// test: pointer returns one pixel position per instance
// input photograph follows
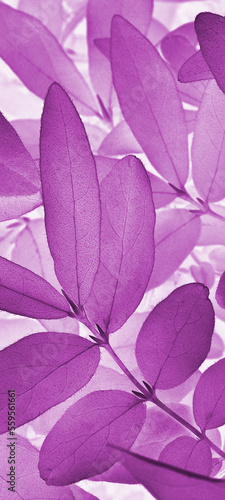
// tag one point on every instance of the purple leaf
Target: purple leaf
(149, 101)
(28, 131)
(50, 13)
(210, 29)
(36, 57)
(204, 273)
(209, 137)
(80, 494)
(76, 448)
(187, 31)
(162, 192)
(190, 117)
(103, 44)
(176, 233)
(29, 485)
(156, 31)
(127, 245)
(25, 293)
(188, 453)
(212, 231)
(217, 347)
(209, 397)
(70, 195)
(175, 338)
(176, 394)
(194, 69)
(167, 482)
(104, 166)
(120, 141)
(220, 292)
(46, 368)
(99, 16)
(79, 11)
(176, 49)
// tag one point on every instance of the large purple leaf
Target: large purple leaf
(176, 336)
(99, 16)
(46, 368)
(188, 453)
(149, 101)
(29, 485)
(167, 482)
(210, 29)
(70, 195)
(50, 13)
(76, 448)
(127, 245)
(209, 137)
(194, 69)
(24, 292)
(176, 233)
(34, 54)
(209, 397)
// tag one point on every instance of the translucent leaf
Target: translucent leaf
(220, 292)
(204, 273)
(29, 485)
(50, 13)
(210, 29)
(176, 394)
(28, 131)
(209, 137)
(70, 195)
(176, 337)
(104, 166)
(156, 31)
(162, 192)
(217, 347)
(209, 397)
(176, 233)
(80, 494)
(36, 57)
(194, 69)
(25, 293)
(99, 16)
(120, 141)
(171, 483)
(176, 49)
(188, 453)
(127, 245)
(149, 101)
(212, 231)
(76, 448)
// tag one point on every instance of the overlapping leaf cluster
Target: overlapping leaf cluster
(112, 231)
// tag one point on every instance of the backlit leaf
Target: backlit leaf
(188, 453)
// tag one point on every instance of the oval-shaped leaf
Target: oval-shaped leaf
(208, 147)
(46, 368)
(127, 245)
(175, 338)
(210, 29)
(24, 292)
(195, 69)
(34, 54)
(76, 448)
(70, 195)
(209, 397)
(149, 101)
(188, 453)
(171, 483)
(99, 16)
(176, 233)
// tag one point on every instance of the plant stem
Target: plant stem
(160, 404)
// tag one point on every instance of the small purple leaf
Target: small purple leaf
(176, 233)
(149, 101)
(209, 397)
(46, 369)
(168, 482)
(210, 29)
(220, 292)
(195, 69)
(34, 54)
(24, 292)
(76, 448)
(127, 245)
(209, 137)
(176, 336)
(120, 141)
(188, 453)
(70, 195)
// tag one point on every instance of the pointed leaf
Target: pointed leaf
(99, 16)
(46, 369)
(25, 293)
(210, 29)
(209, 397)
(70, 195)
(209, 137)
(176, 233)
(120, 141)
(36, 57)
(149, 101)
(195, 69)
(29, 131)
(175, 338)
(80, 494)
(127, 245)
(76, 448)
(171, 483)
(29, 485)
(188, 453)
